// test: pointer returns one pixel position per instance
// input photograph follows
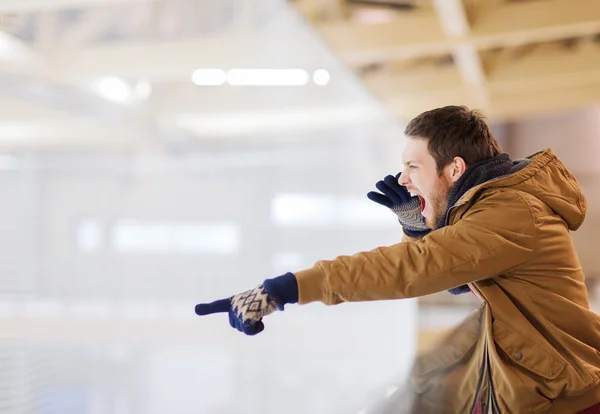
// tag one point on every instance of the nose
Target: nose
(404, 178)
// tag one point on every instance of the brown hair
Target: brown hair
(454, 131)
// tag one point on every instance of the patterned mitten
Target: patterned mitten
(398, 199)
(247, 309)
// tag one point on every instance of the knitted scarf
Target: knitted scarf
(478, 173)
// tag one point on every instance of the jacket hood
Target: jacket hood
(545, 177)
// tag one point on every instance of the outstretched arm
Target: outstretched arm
(485, 243)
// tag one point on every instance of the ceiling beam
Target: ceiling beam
(545, 68)
(419, 33)
(415, 34)
(504, 107)
(453, 18)
(418, 80)
(539, 81)
(515, 23)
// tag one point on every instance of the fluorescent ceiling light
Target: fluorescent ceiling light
(321, 77)
(257, 77)
(267, 77)
(113, 89)
(209, 77)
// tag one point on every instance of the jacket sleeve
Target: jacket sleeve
(494, 236)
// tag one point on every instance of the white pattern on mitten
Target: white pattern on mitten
(409, 215)
(250, 306)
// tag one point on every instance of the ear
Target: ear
(457, 168)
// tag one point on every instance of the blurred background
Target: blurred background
(159, 153)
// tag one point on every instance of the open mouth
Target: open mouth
(422, 200)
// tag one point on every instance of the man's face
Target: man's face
(421, 178)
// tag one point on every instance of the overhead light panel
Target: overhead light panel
(113, 89)
(209, 77)
(267, 77)
(258, 77)
(321, 77)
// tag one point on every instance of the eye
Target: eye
(412, 167)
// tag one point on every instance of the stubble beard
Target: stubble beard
(439, 201)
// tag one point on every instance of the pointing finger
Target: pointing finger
(218, 306)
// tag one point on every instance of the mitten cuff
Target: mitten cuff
(416, 233)
(282, 289)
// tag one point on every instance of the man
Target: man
(474, 221)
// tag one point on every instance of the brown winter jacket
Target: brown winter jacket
(534, 342)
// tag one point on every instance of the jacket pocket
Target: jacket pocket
(534, 365)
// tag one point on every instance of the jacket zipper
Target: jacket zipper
(485, 372)
(480, 382)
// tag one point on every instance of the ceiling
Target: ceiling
(385, 59)
(58, 58)
(512, 59)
